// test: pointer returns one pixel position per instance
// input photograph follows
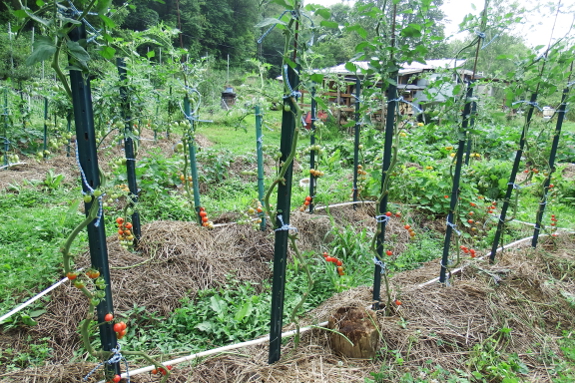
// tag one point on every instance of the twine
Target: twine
(382, 218)
(419, 111)
(117, 357)
(284, 226)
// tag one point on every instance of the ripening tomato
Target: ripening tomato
(108, 317)
(203, 214)
(389, 252)
(117, 378)
(205, 219)
(128, 225)
(117, 327)
(119, 220)
(72, 275)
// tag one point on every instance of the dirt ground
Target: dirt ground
(524, 292)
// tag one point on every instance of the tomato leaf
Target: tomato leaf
(44, 48)
(76, 51)
(102, 6)
(107, 52)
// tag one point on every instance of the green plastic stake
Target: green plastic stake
(129, 149)
(560, 117)
(88, 161)
(260, 156)
(69, 123)
(356, 141)
(6, 142)
(193, 162)
(511, 183)
(281, 224)
(471, 125)
(312, 178)
(387, 152)
(455, 186)
(45, 126)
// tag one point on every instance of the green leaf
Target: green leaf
(205, 326)
(72, 67)
(351, 67)
(40, 20)
(108, 21)
(329, 24)
(323, 12)
(218, 305)
(76, 51)
(20, 13)
(151, 54)
(360, 31)
(40, 3)
(244, 311)
(102, 6)
(317, 78)
(44, 48)
(27, 320)
(457, 89)
(269, 21)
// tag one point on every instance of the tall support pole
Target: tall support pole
(45, 126)
(88, 161)
(5, 115)
(511, 183)
(455, 186)
(282, 222)
(560, 117)
(471, 125)
(260, 157)
(356, 142)
(193, 161)
(387, 153)
(69, 125)
(129, 148)
(312, 178)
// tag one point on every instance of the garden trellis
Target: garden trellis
(280, 217)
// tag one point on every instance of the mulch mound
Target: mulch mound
(515, 304)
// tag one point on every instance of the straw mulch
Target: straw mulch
(448, 325)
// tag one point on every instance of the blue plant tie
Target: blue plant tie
(259, 41)
(515, 186)
(379, 263)
(382, 218)
(90, 189)
(479, 34)
(284, 226)
(492, 40)
(293, 93)
(453, 226)
(419, 111)
(535, 104)
(115, 358)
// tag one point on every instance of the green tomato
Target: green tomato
(87, 198)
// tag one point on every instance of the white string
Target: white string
(535, 104)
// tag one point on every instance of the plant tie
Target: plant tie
(73, 11)
(532, 103)
(284, 226)
(115, 358)
(381, 218)
(419, 111)
(453, 226)
(379, 263)
(480, 34)
(260, 139)
(515, 186)
(293, 93)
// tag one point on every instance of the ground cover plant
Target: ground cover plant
(204, 268)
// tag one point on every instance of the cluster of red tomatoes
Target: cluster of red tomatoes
(306, 203)
(553, 224)
(466, 250)
(336, 262)
(205, 220)
(125, 235)
(120, 328)
(161, 370)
